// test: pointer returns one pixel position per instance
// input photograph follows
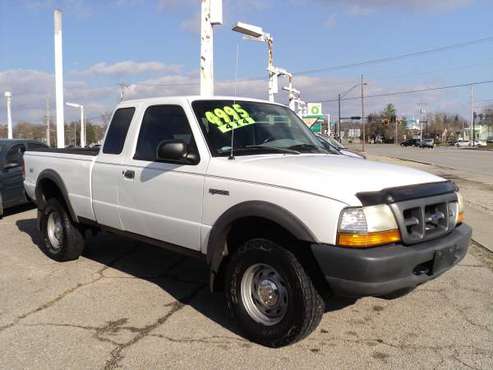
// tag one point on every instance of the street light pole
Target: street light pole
(256, 33)
(8, 98)
(60, 121)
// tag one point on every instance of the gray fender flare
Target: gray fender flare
(268, 211)
(55, 178)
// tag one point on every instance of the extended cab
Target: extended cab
(246, 186)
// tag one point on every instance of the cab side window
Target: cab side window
(117, 133)
(163, 123)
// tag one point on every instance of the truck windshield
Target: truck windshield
(258, 128)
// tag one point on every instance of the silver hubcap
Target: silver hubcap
(264, 294)
(55, 230)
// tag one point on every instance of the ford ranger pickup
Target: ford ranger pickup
(244, 185)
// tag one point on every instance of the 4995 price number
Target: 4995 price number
(229, 118)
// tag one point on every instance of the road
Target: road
(128, 305)
(473, 164)
(471, 170)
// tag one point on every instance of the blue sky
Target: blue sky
(153, 45)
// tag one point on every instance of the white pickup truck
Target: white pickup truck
(246, 186)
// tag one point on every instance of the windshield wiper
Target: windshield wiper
(267, 148)
(299, 147)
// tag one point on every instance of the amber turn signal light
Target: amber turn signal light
(368, 240)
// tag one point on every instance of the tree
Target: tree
(390, 112)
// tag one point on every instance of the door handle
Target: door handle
(128, 174)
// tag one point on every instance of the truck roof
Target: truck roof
(190, 98)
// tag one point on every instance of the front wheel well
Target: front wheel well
(248, 228)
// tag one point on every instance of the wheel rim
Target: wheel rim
(264, 294)
(55, 230)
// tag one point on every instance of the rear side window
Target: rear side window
(118, 131)
(163, 123)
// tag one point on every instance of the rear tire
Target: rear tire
(272, 298)
(62, 241)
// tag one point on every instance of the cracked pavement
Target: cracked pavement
(128, 305)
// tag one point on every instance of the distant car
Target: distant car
(462, 143)
(482, 143)
(467, 143)
(427, 143)
(410, 142)
(335, 147)
(489, 140)
(11, 178)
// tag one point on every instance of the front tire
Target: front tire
(270, 294)
(62, 241)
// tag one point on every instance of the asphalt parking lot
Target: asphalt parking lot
(128, 305)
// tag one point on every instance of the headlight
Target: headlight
(365, 227)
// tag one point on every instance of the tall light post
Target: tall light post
(256, 33)
(60, 120)
(211, 15)
(82, 123)
(8, 98)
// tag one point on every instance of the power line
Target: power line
(397, 57)
(407, 92)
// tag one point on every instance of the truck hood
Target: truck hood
(333, 176)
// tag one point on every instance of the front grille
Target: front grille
(426, 218)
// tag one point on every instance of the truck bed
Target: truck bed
(76, 166)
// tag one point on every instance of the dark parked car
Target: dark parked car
(410, 142)
(11, 179)
(427, 143)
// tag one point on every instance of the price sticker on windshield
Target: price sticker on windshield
(229, 117)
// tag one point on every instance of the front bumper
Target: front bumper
(387, 269)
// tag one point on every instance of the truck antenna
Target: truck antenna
(232, 153)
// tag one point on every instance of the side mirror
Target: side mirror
(172, 151)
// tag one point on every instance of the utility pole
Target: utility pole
(211, 15)
(422, 112)
(396, 140)
(48, 136)
(339, 117)
(60, 120)
(472, 117)
(363, 120)
(8, 98)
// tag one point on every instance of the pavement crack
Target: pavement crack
(215, 339)
(176, 306)
(46, 305)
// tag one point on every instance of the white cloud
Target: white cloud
(365, 7)
(129, 67)
(331, 21)
(30, 89)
